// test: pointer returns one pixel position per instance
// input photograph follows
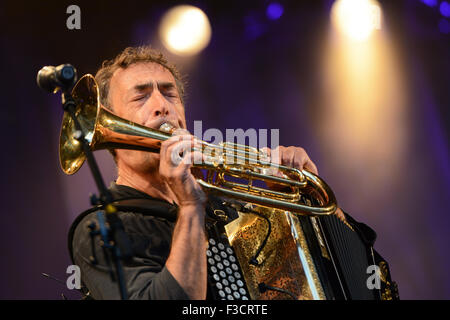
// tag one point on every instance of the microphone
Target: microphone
(51, 78)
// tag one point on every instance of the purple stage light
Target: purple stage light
(274, 11)
(445, 9)
(444, 26)
(430, 3)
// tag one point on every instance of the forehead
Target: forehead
(142, 72)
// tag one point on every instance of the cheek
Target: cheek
(182, 117)
(141, 115)
(137, 114)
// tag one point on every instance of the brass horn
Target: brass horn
(226, 161)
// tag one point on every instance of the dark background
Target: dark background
(255, 73)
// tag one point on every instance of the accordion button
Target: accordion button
(229, 250)
(223, 254)
(215, 250)
(217, 257)
(220, 266)
(228, 270)
(244, 298)
(219, 286)
(222, 294)
(213, 269)
(237, 275)
(230, 297)
(216, 277)
(221, 246)
(236, 295)
(231, 279)
(242, 291)
(211, 261)
(240, 283)
(235, 267)
(222, 274)
(212, 241)
(232, 258)
(227, 290)
(208, 253)
(234, 287)
(225, 282)
(226, 263)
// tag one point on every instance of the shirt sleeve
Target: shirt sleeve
(146, 276)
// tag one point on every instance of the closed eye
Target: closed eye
(140, 97)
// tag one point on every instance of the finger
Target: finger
(300, 158)
(275, 155)
(175, 139)
(288, 157)
(310, 166)
(169, 143)
(165, 145)
(180, 131)
(191, 158)
(176, 151)
(265, 153)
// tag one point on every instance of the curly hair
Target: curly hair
(128, 57)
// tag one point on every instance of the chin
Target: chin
(140, 161)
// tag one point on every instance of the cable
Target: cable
(263, 288)
(254, 259)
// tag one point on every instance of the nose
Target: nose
(161, 111)
(160, 107)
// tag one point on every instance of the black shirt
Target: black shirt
(146, 276)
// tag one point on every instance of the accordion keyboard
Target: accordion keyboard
(225, 275)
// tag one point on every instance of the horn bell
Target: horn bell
(86, 96)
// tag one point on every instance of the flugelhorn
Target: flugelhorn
(227, 162)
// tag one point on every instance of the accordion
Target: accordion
(259, 253)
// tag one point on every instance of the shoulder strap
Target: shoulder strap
(144, 206)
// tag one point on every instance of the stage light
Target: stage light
(356, 19)
(430, 3)
(185, 30)
(274, 11)
(363, 107)
(444, 26)
(445, 9)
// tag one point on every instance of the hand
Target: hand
(294, 157)
(176, 161)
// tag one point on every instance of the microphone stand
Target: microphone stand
(115, 242)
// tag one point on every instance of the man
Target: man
(170, 260)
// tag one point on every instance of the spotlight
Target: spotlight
(430, 3)
(356, 18)
(445, 9)
(185, 30)
(274, 11)
(444, 26)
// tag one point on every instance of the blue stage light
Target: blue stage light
(430, 3)
(444, 26)
(274, 11)
(445, 9)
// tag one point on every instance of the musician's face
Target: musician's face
(145, 93)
